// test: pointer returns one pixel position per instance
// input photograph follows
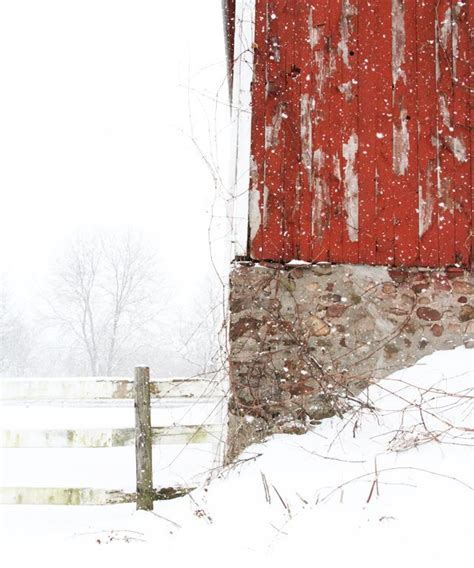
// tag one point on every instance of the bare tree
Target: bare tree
(104, 298)
(200, 333)
(16, 342)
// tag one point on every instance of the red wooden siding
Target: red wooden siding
(362, 132)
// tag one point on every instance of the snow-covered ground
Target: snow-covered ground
(390, 484)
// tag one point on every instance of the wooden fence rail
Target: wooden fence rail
(143, 436)
(104, 389)
(107, 437)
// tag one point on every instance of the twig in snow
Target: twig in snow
(287, 507)
(268, 498)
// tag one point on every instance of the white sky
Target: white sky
(93, 106)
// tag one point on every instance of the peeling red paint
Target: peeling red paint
(362, 132)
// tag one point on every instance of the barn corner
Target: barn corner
(353, 228)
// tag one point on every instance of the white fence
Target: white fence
(67, 396)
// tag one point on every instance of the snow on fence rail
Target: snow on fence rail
(143, 436)
(104, 388)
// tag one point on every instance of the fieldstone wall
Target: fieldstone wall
(305, 338)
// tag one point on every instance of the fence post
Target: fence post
(143, 439)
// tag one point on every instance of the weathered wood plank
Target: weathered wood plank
(238, 205)
(290, 39)
(257, 143)
(104, 388)
(275, 114)
(369, 114)
(62, 496)
(461, 131)
(108, 437)
(143, 440)
(383, 174)
(304, 20)
(322, 69)
(348, 62)
(229, 31)
(445, 141)
(405, 131)
(337, 94)
(470, 84)
(80, 496)
(427, 135)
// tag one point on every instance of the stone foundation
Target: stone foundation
(306, 338)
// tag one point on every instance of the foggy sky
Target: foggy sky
(94, 132)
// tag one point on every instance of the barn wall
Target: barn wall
(361, 132)
(361, 165)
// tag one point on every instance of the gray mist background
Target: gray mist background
(100, 100)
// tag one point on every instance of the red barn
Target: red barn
(353, 157)
(361, 129)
